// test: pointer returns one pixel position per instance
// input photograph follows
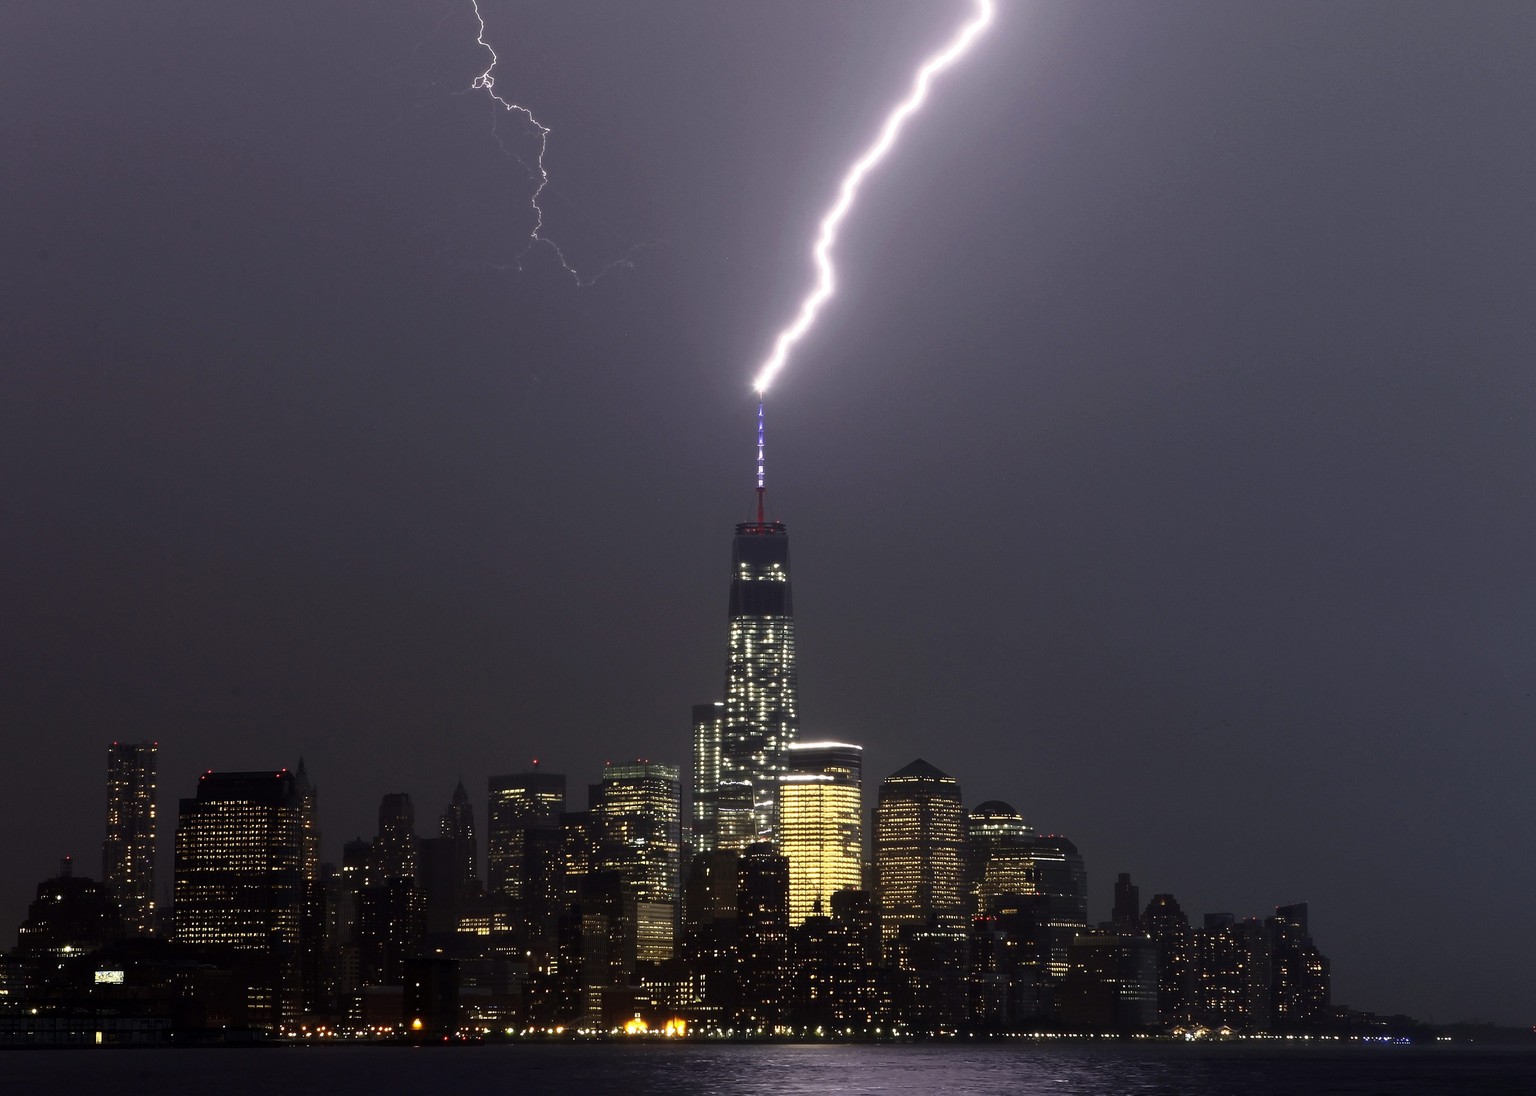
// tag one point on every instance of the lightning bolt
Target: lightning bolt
(848, 191)
(487, 82)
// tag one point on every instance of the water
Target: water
(736, 1070)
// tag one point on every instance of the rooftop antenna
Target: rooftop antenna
(761, 483)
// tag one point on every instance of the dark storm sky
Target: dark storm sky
(1164, 465)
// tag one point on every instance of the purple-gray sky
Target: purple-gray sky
(1164, 465)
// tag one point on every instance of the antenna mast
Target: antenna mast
(761, 482)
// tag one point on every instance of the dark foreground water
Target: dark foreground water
(731, 1070)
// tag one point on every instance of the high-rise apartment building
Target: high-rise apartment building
(1300, 989)
(1168, 926)
(821, 824)
(128, 854)
(919, 849)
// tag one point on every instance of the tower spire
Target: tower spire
(761, 483)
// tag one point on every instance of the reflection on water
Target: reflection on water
(728, 1070)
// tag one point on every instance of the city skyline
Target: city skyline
(1157, 470)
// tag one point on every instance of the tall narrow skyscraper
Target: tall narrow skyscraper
(128, 854)
(457, 823)
(519, 804)
(708, 719)
(761, 715)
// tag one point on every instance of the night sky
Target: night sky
(1164, 465)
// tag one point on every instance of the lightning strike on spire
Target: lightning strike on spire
(826, 238)
(536, 237)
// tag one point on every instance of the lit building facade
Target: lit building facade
(128, 854)
(999, 858)
(240, 880)
(640, 823)
(919, 849)
(761, 713)
(519, 803)
(708, 722)
(821, 824)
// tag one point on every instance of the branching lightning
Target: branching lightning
(848, 191)
(487, 82)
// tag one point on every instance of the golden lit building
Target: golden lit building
(821, 824)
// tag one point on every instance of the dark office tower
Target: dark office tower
(1111, 984)
(919, 850)
(762, 919)
(709, 934)
(240, 880)
(458, 825)
(1126, 916)
(999, 856)
(1300, 989)
(708, 724)
(1062, 879)
(128, 854)
(1010, 983)
(69, 915)
(309, 812)
(394, 850)
(1168, 927)
(391, 923)
(518, 803)
(761, 706)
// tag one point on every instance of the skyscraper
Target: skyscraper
(708, 720)
(639, 826)
(240, 879)
(519, 803)
(457, 823)
(821, 824)
(999, 856)
(1063, 880)
(761, 715)
(919, 851)
(394, 850)
(128, 854)
(638, 812)
(309, 817)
